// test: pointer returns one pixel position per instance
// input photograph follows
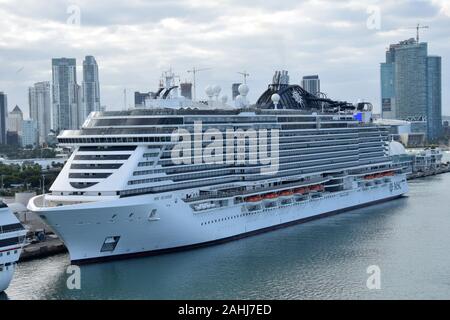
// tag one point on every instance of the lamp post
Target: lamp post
(43, 184)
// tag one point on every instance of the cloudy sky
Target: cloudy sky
(134, 41)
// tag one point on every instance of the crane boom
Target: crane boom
(194, 71)
(245, 74)
(418, 27)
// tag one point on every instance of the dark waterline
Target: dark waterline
(408, 239)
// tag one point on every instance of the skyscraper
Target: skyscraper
(90, 87)
(186, 90)
(40, 108)
(388, 106)
(434, 98)
(3, 116)
(410, 85)
(14, 121)
(29, 133)
(139, 98)
(311, 84)
(14, 126)
(65, 94)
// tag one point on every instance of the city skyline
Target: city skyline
(227, 38)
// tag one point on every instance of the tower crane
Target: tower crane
(245, 75)
(418, 27)
(194, 72)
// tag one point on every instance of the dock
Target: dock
(427, 173)
(47, 248)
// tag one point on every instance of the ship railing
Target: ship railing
(225, 194)
(41, 202)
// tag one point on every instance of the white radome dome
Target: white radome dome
(224, 99)
(209, 90)
(243, 89)
(276, 98)
(238, 101)
(396, 149)
(217, 90)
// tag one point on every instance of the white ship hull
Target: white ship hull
(85, 228)
(12, 238)
(6, 276)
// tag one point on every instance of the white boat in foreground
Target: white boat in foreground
(12, 239)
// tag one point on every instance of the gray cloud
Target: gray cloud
(134, 41)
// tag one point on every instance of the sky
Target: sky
(134, 41)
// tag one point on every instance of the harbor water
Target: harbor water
(407, 239)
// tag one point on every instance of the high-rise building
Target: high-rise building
(13, 138)
(39, 101)
(139, 98)
(387, 91)
(434, 98)
(235, 90)
(3, 116)
(411, 85)
(411, 80)
(90, 87)
(186, 90)
(66, 94)
(311, 84)
(29, 133)
(14, 121)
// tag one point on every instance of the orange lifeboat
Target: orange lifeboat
(299, 190)
(271, 196)
(286, 193)
(316, 188)
(253, 199)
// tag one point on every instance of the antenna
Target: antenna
(124, 99)
(194, 71)
(245, 74)
(418, 27)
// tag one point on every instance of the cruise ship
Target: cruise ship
(12, 239)
(179, 174)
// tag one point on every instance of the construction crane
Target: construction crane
(418, 27)
(245, 74)
(194, 71)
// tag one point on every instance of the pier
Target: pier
(431, 172)
(39, 250)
